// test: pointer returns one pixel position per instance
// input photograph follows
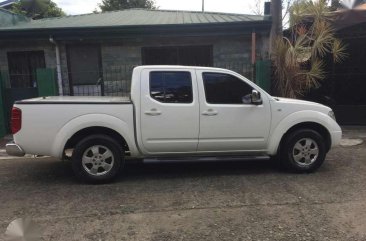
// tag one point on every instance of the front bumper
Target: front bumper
(336, 137)
(13, 149)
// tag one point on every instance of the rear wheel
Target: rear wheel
(97, 159)
(303, 151)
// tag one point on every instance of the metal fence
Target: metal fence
(110, 81)
(116, 80)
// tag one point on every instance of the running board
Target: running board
(203, 159)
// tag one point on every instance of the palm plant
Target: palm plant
(299, 58)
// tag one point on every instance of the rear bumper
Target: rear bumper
(13, 149)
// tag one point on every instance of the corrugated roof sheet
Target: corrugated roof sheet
(135, 17)
(7, 2)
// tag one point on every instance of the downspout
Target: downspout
(253, 59)
(254, 40)
(58, 66)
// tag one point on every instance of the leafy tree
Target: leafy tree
(299, 58)
(37, 9)
(110, 5)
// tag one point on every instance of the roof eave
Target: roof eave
(139, 31)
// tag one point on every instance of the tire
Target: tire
(303, 151)
(97, 159)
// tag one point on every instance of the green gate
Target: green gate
(263, 74)
(47, 82)
(46, 86)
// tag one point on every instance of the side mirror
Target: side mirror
(256, 98)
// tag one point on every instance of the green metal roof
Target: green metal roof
(135, 17)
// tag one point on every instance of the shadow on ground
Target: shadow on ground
(54, 171)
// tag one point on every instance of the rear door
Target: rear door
(169, 111)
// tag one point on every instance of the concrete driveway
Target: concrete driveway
(251, 200)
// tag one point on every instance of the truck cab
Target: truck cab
(185, 110)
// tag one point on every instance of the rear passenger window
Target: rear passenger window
(171, 87)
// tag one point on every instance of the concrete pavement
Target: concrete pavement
(251, 200)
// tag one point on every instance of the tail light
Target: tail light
(16, 120)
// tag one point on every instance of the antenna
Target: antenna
(203, 5)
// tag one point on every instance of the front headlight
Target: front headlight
(332, 115)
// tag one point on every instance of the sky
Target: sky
(230, 6)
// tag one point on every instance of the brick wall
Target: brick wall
(225, 49)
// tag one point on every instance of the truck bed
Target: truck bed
(51, 121)
(77, 100)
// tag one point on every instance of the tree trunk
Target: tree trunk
(276, 13)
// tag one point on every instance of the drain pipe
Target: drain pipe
(58, 66)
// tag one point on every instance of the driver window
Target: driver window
(225, 89)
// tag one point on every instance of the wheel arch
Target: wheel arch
(93, 124)
(312, 126)
(304, 120)
(94, 130)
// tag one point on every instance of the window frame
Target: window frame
(30, 73)
(172, 71)
(229, 74)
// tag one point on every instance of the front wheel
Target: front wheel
(303, 151)
(97, 159)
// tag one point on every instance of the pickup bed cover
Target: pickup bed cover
(77, 100)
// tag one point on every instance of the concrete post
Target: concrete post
(276, 30)
(2, 108)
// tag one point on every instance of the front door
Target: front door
(169, 111)
(228, 120)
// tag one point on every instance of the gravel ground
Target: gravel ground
(251, 200)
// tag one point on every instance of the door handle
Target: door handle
(210, 112)
(153, 112)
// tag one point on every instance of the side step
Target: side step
(203, 159)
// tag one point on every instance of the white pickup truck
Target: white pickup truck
(174, 111)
